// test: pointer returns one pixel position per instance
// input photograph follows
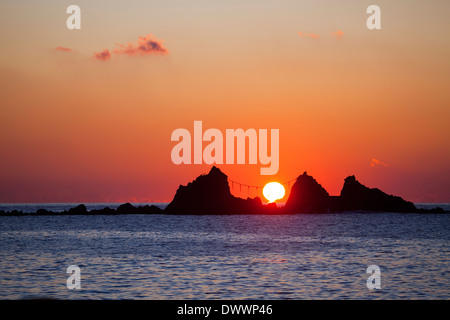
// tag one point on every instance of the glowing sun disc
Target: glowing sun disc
(273, 191)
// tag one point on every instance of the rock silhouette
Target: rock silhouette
(210, 194)
(80, 209)
(307, 196)
(355, 197)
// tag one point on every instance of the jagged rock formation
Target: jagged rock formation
(210, 194)
(307, 196)
(355, 197)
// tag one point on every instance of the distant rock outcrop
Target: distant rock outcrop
(210, 194)
(307, 196)
(357, 197)
(128, 208)
(80, 209)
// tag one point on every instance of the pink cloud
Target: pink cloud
(103, 56)
(308, 35)
(147, 45)
(374, 162)
(338, 34)
(63, 49)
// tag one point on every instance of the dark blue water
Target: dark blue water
(226, 257)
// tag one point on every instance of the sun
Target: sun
(273, 191)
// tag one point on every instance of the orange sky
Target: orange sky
(347, 100)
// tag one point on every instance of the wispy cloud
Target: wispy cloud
(147, 45)
(375, 162)
(308, 35)
(338, 34)
(103, 56)
(63, 49)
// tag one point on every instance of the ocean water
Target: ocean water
(307, 256)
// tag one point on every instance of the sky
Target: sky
(87, 115)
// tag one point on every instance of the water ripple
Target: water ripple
(225, 257)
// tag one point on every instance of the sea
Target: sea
(211, 257)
